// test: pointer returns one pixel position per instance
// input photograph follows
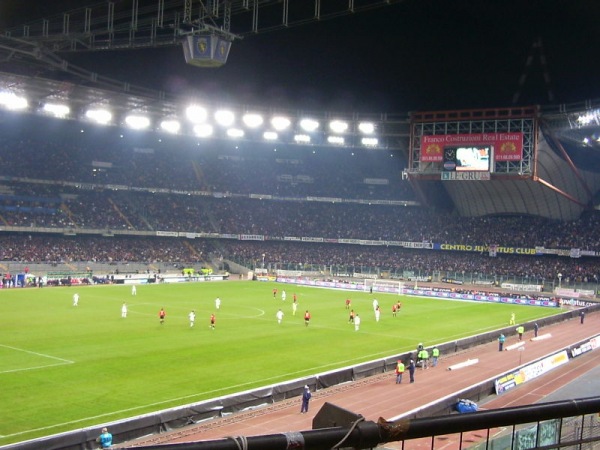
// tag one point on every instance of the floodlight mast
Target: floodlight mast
(209, 14)
(212, 30)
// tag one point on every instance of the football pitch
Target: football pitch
(66, 367)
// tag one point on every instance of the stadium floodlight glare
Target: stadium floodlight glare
(280, 123)
(203, 130)
(196, 114)
(137, 122)
(302, 138)
(101, 116)
(270, 135)
(12, 101)
(252, 120)
(170, 126)
(338, 140)
(369, 141)
(338, 126)
(309, 125)
(589, 117)
(366, 127)
(224, 117)
(56, 109)
(235, 132)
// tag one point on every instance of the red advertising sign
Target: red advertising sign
(507, 146)
(431, 151)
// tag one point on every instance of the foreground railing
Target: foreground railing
(562, 424)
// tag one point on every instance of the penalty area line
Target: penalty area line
(37, 367)
(43, 355)
(61, 361)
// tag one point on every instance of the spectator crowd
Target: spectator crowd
(68, 181)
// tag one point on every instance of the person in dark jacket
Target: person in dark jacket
(306, 395)
(411, 370)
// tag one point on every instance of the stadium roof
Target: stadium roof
(38, 60)
(359, 55)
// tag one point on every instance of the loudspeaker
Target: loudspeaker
(206, 50)
(331, 415)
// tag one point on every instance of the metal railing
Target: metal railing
(571, 424)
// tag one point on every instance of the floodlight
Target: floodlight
(224, 117)
(235, 133)
(303, 138)
(588, 117)
(339, 140)
(270, 135)
(196, 114)
(203, 130)
(280, 123)
(101, 116)
(366, 127)
(370, 142)
(338, 126)
(253, 120)
(137, 122)
(57, 109)
(309, 125)
(170, 125)
(12, 101)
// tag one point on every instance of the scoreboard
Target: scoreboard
(470, 159)
(480, 142)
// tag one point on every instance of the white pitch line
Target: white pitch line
(261, 312)
(36, 367)
(67, 361)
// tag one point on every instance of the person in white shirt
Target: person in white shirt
(356, 322)
(192, 317)
(279, 316)
(124, 310)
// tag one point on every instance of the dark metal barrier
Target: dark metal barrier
(367, 434)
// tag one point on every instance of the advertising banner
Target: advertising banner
(485, 249)
(507, 146)
(530, 371)
(466, 176)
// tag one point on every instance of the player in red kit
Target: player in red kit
(306, 317)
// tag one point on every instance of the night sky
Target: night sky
(414, 55)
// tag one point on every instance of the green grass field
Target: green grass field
(64, 367)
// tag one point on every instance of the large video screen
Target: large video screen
(472, 158)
